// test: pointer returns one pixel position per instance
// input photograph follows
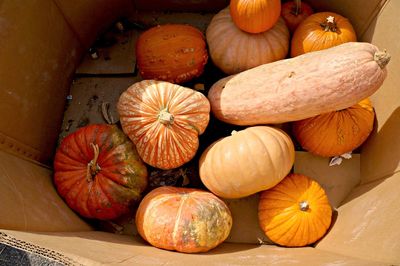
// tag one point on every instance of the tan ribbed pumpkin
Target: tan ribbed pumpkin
(233, 50)
(164, 120)
(337, 132)
(248, 161)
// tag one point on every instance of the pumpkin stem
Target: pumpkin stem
(296, 8)
(330, 25)
(165, 117)
(92, 167)
(304, 206)
(382, 58)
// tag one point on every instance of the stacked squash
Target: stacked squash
(101, 170)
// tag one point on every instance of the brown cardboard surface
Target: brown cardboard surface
(381, 154)
(90, 18)
(360, 13)
(29, 201)
(120, 58)
(38, 54)
(95, 248)
(368, 224)
(181, 5)
(88, 95)
(245, 227)
(337, 180)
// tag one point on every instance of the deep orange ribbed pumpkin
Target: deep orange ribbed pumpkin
(173, 52)
(183, 219)
(98, 172)
(335, 133)
(255, 16)
(321, 31)
(294, 213)
(164, 120)
(294, 12)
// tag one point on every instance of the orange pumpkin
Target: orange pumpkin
(164, 121)
(294, 12)
(173, 52)
(255, 16)
(294, 213)
(338, 132)
(321, 31)
(183, 219)
(249, 161)
(227, 43)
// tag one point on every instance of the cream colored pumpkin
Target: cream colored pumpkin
(233, 50)
(248, 161)
(301, 87)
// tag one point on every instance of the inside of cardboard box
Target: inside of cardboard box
(356, 192)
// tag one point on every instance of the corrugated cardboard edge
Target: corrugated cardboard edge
(35, 249)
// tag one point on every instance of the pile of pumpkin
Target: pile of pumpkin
(101, 171)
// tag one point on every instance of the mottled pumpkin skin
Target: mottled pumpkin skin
(255, 16)
(167, 142)
(183, 219)
(249, 161)
(293, 19)
(226, 43)
(310, 36)
(338, 132)
(280, 215)
(119, 181)
(173, 52)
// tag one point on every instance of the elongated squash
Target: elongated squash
(301, 87)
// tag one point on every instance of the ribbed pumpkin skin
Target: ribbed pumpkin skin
(183, 219)
(292, 19)
(173, 52)
(163, 144)
(310, 36)
(233, 50)
(255, 16)
(119, 181)
(338, 132)
(300, 87)
(283, 221)
(249, 161)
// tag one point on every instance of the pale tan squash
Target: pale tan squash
(301, 87)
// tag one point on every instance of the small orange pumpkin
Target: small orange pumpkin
(173, 52)
(294, 213)
(294, 12)
(255, 16)
(233, 50)
(183, 219)
(321, 31)
(164, 120)
(338, 132)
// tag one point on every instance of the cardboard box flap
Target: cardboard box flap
(29, 201)
(368, 224)
(94, 248)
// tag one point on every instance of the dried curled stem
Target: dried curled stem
(92, 167)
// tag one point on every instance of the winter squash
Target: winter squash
(173, 52)
(294, 213)
(98, 172)
(321, 31)
(183, 219)
(300, 87)
(255, 16)
(226, 43)
(294, 12)
(248, 161)
(164, 121)
(337, 132)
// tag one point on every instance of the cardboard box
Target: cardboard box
(41, 45)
